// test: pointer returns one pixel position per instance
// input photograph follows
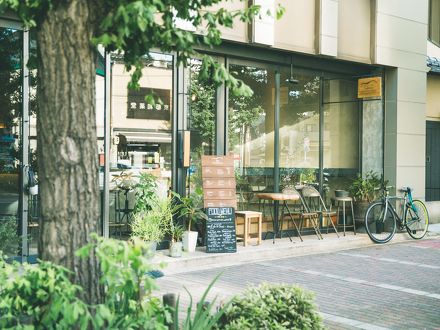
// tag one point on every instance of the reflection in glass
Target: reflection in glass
(299, 129)
(10, 137)
(341, 134)
(33, 200)
(201, 123)
(140, 134)
(251, 133)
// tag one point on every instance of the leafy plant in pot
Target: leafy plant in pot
(176, 232)
(152, 225)
(190, 210)
(364, 190)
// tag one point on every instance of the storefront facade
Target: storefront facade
(304, 122)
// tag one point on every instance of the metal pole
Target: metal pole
(107, 110)
(25, 150)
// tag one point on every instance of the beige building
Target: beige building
(341, 87)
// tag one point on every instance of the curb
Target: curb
(283, 248)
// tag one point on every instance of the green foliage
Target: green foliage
(43, 297)
(190, 207)
(272, 306)
(40, 297)
(176, 233)
(152, 225)
(146, 192)
(8, 234)
(129, 303)
(365, 188)
(202, 105)
(204, 317)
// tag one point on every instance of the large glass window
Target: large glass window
(340, 135)
(140, 134)
(11, 42)
(434, 21)
(299, 128)
(251, 132)
(201, 123)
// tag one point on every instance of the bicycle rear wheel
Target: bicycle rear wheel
(417, 221)
(380, 226)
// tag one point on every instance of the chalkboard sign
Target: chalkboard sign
(220, 230)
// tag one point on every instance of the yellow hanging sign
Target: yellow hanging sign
(370, 87)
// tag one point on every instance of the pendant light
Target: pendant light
(291, 80)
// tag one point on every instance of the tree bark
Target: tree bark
(67, 145)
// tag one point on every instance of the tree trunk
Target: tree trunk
(67, 146)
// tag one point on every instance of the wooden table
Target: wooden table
(275, 198)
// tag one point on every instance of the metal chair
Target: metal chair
(314, 203)
(123, 209)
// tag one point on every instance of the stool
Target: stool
(248, 216)
(346, 200)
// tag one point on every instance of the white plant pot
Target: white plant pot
(189, 241)
(33, 190)
(176, 249)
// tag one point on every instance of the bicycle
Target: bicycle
(382, 218)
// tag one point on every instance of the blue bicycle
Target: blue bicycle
(382, 217)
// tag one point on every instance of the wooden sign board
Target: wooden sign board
(220, 230)
(217, 172)
(217, 161)
(221, 203)
(218, 178)
(219, 193)
(219, 183)
(369, 87)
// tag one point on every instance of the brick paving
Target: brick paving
(352, 291)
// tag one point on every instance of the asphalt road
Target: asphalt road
(394, 286)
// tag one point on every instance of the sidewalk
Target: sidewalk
(282, 248)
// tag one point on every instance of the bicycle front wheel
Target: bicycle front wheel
(417, 220)
(380, 226)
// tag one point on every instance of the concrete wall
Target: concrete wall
(296, 29)
(400, 41)
(354, 30)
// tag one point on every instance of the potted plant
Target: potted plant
(191, 211)
(176, 232)
(364, 190)
(152, 225)
(145, 192)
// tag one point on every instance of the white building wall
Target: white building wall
(401, 33)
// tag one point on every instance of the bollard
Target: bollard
(169, 299)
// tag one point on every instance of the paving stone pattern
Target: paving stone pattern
(354, 289)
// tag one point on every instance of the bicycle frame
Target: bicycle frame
(407, 206)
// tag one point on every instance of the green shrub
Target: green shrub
(8, 235)
(272, 306)
(365, 188)
(40, 297)
(43, 297)
(152, 225)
